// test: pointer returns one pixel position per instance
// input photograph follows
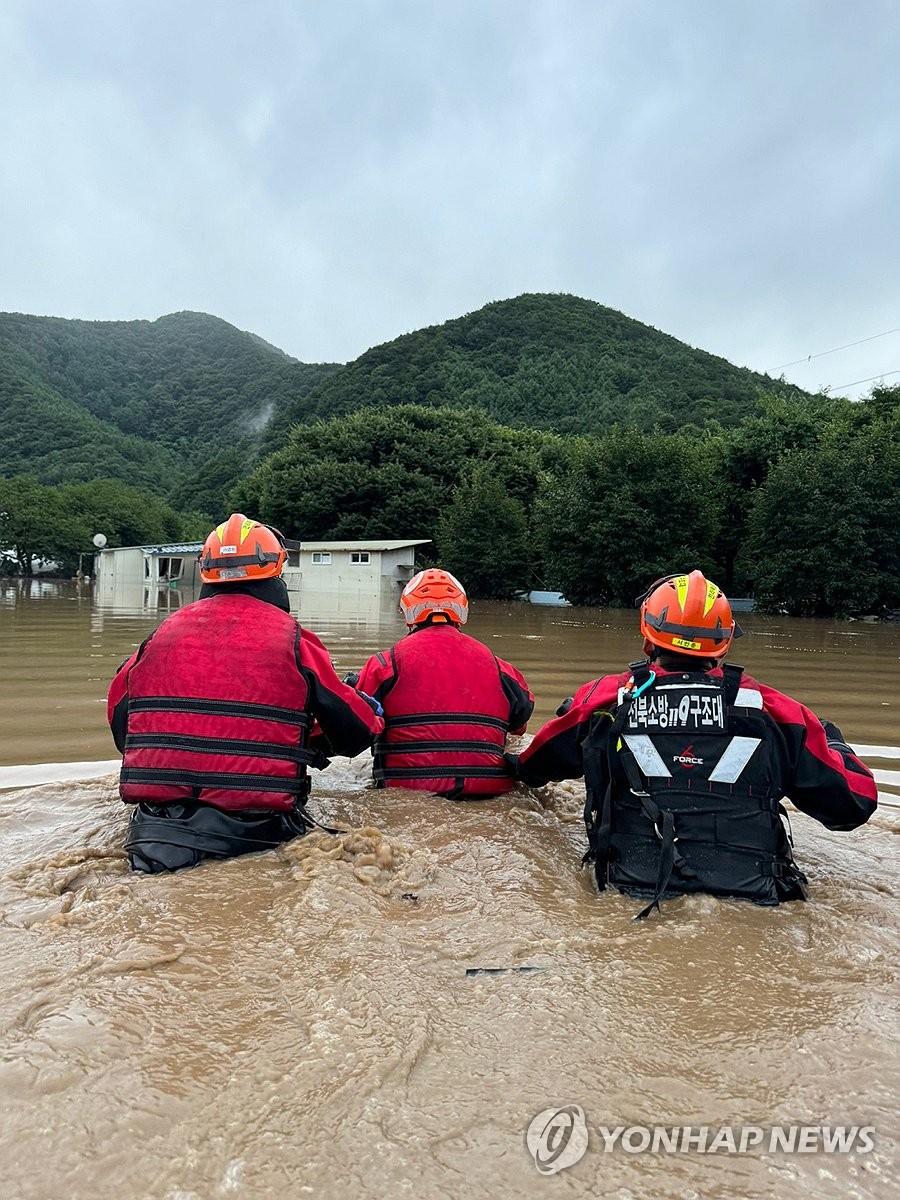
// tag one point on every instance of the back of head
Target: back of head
(241, 550)
(687, 615)
(433, 597)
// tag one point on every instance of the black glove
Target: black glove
(351, 679)
(565, 706)
(834, 737)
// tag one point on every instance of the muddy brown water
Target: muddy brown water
(302, 1022)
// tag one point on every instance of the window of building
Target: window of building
(167, 569)
(359, 556)
(321, 558)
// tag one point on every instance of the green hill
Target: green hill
(188, 405)
(150, 402)
(552, 362)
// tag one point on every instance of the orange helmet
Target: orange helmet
(688, 614)
(434, 593)
(241, 549)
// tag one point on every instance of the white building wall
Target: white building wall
(124, 566)
(128, 572)
(383, 575)
(399, 564)
(340, 574)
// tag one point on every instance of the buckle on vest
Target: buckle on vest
(657, 831)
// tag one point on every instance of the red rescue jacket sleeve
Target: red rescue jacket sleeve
(346, 723)
(117, 702)
(517, 691)
(555, 751)
(825, 779)
(378, 676)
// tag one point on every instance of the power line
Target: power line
(883, 375)
(822, 353)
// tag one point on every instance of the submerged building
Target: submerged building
(367, 568)
(366, 571)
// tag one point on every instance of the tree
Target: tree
(384, 472)
(483, 537)
(56, 524)
(824, 536)
(34, 522)
(623, 510)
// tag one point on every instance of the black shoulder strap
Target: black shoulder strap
(598, 816)
(640, 673)
(731, 680)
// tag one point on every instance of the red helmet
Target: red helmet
(434, 593)
(689, 615)
(241, 549)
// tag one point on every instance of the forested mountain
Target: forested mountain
(187, 405)
(150, 402)
(552, 362)
(50, 436)
(552, 441)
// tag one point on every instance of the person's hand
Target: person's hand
(372, 703)
(834, 737)
(351, 679)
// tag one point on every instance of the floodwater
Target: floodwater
(349, 1015)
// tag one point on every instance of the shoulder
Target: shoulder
(380, 659)
(784, 710)
(603, 690)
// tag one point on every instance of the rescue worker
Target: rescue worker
(686, 761)
(222, 710)
(448, 700)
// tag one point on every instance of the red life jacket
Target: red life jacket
(445, 718)
(218, 710)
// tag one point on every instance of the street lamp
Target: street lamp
(99, 540)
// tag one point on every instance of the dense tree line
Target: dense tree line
(40, 522)
(797, 505)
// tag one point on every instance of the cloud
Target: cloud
(330, 176)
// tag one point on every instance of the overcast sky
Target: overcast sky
(331, 174)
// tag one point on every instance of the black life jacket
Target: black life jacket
(681, 794)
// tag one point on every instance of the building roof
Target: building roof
(386, 544)
(169, 548)
(196, 547)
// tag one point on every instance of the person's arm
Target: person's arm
(825, 779)
(117, 700)
(378, 676)
(347, 723)
(517, 691)
(555, 750)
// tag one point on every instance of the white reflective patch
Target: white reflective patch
(648, 757)
(748, 698)
(737, 754)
